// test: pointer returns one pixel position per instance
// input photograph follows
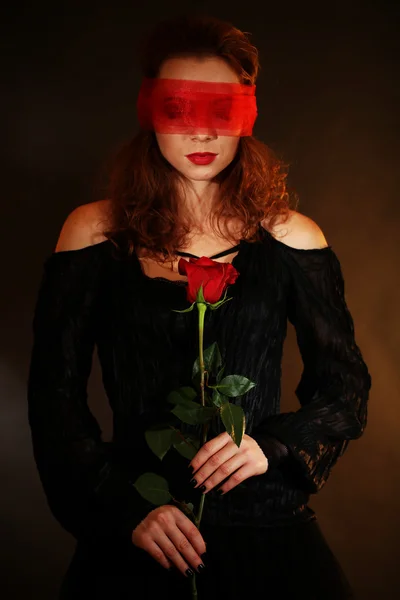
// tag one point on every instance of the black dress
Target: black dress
(263, 540)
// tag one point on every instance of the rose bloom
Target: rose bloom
(212, 275)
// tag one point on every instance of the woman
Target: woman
(114, 282)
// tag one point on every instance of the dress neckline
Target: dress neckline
(218, 255)
(184, 282)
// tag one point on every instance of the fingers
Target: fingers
(236, 479)
(230, 464)
(209, 448)
(171, 538)
(173, 547)
(219, 473)
(191, 532)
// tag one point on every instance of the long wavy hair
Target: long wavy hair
(143, 185)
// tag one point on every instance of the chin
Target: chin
(199, 173)
(201, 177)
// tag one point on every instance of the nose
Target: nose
(204, 137)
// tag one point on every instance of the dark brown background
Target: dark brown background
(328, 101)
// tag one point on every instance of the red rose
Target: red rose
(214, 276)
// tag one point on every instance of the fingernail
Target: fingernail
(193, 481)
(220, 492)
(204, 556)
(202, 488)
(201, 567)
(189, 572)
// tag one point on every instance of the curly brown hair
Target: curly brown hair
(142, 189)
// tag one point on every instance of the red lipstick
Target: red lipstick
(201, 158)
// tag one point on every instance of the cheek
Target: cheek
(229, 145)
(168, 144)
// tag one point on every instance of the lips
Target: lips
(201, 158)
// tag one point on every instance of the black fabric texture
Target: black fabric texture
(278, 563)
(98, 298)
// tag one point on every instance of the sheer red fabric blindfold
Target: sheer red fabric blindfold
(188, 106)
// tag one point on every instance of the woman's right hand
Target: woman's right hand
(170, 537)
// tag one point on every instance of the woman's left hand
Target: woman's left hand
(220, 457)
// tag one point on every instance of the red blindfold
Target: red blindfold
(187, 106)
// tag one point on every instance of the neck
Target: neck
(197, 202)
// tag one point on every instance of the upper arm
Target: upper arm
(84, 226)
(299, 231)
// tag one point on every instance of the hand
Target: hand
(220, 457)
(170, 537)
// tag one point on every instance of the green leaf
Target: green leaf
(196, 379)
(187, 447)
(207, 398)
(220, 373)
(153, 488)
(234, 421)
(196, 371)
(193, 413)
(159, 440)
(182, 395)
(212, 360)
(235, 385)
(217, 398)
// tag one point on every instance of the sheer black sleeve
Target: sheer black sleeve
(334, 387)
(88, 488)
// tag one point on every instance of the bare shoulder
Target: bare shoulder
(84, 226)
(299, 231)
